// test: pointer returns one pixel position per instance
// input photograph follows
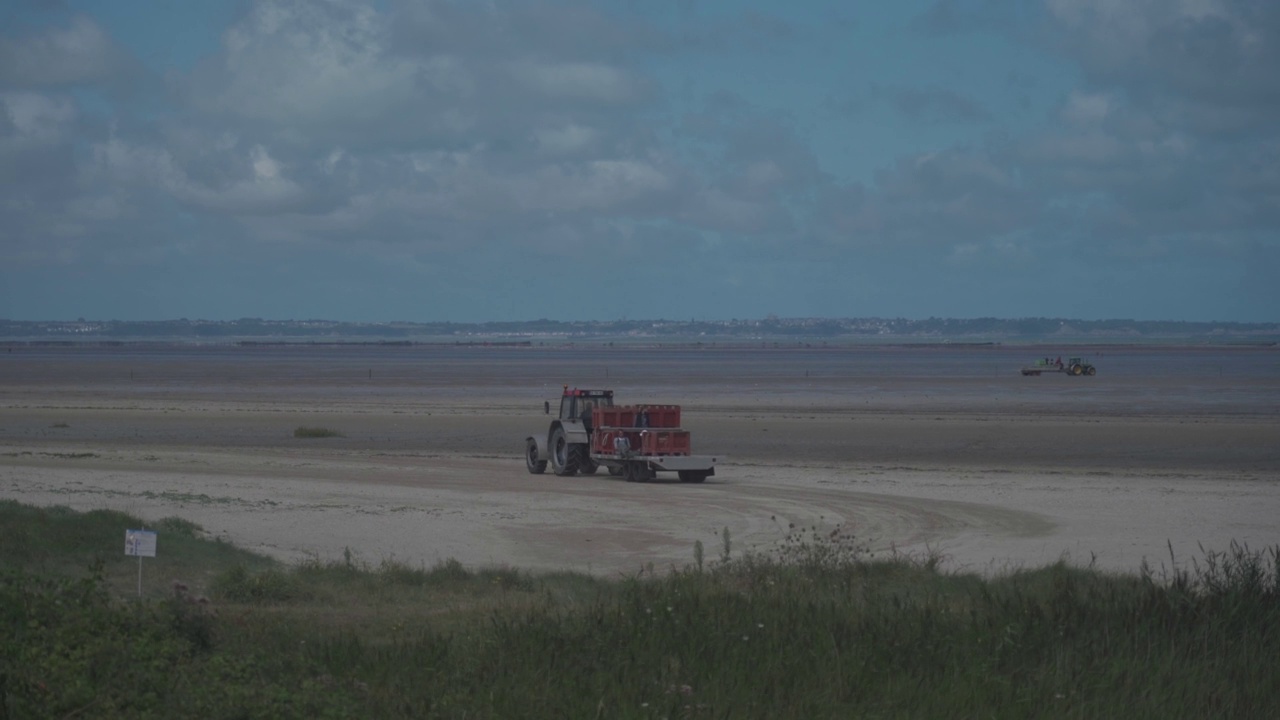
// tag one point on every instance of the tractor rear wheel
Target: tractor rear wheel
(587, 466)
(1077, 370)
(565, 455)
(531, 461)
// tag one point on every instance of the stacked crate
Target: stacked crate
(639, 430)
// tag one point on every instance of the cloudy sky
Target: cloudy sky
(477, 160)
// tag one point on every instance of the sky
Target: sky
(498, 160)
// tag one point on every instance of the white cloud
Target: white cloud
(721, 211)
(79, 52)
(260, 188)
(1087, 109)
(30, 120)
(298, 61)
(598, 185)
(1202, 62)
(265, 168)
(565, 139)
(592, 81)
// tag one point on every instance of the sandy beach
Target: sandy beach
(990, 469)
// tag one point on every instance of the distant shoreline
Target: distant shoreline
(553, 343)
(771, 331)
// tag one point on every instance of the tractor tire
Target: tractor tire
(565, 456)
(580, 457)
(1077, 370)
(587, 466)
(531, 461)
(1092, 371)
(692, 476)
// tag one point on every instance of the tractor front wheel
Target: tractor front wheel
(531, 461)
(565, 456)
(1092, 371)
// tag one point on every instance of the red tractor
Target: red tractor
(633, 441)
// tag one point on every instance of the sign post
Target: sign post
(140, 543)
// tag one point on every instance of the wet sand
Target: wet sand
(991, 469)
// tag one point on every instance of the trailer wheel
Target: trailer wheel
(531, 461)
(615, 470)
(564, 454)
(692, 476)
(637, 472)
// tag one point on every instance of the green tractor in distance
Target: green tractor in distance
(1076, 366)
(1073, 366)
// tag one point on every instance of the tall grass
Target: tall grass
(818, 628)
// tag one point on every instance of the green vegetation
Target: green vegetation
(315, 432)
(816, 629)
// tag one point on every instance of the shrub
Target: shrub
(315, 432)
(240, 585)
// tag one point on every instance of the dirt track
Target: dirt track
(436, 473)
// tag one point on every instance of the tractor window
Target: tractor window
(571, 406)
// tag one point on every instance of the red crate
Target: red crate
(619, 416)
(636, 416)
(606, 441)
(665, 442)
(615, 441)
(661, 416)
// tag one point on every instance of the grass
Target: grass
(315, 432)
(817, 628)
(59, 542)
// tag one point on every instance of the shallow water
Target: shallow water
(1242, 381)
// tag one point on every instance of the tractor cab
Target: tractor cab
(575, 403)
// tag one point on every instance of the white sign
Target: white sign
(140, 543)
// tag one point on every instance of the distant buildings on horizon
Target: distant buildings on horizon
(835, 329)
